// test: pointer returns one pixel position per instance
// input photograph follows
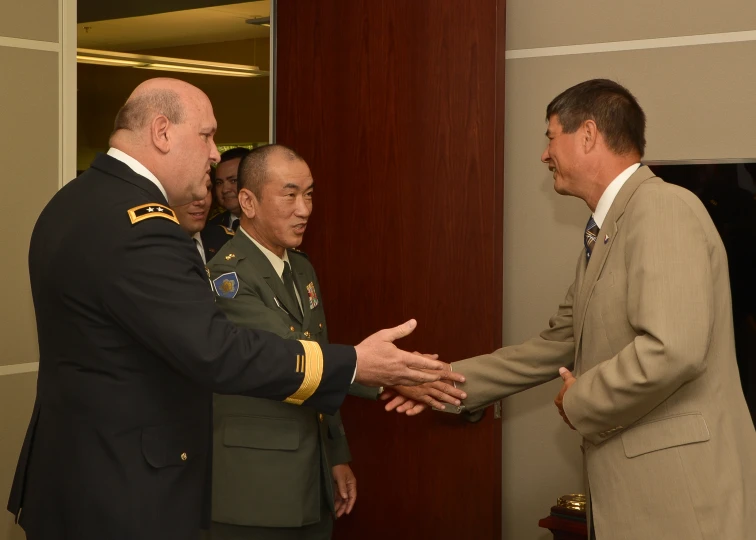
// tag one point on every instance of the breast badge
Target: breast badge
(312, 295)
(226, 285)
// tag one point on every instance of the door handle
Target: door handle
(474, 417)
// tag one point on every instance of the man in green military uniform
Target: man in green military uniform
(275, 464)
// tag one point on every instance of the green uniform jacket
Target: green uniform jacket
(271, 459)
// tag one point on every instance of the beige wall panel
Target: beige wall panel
(548, 23)
(30, 141)
(17, 394)
(30, 19)
(699, 100)
(700, 105)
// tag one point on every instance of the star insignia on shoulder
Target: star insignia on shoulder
(150, 210)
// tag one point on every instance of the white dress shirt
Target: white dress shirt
(137, 167)
(200, 247)
(610, 193)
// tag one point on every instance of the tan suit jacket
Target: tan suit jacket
(669, 445)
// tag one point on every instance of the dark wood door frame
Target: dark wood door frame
(398, 107)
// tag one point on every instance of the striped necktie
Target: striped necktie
(591, 232)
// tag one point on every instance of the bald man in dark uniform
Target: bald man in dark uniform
(132, 345)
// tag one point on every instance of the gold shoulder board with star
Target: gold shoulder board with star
(151, 210)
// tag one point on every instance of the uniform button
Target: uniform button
(307, 334)
(183, 456)
(320, 417)
(291, 328)
(321, 325)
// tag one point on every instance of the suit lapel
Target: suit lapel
(288, 302)
(244, 248)
(606, 236)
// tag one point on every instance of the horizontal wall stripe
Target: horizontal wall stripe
(29, 44)
(634, 45)
(15, 369)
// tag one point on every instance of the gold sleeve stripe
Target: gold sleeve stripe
(313, 372)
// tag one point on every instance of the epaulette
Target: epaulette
(302, 253)
(151, 210)
(228, 231)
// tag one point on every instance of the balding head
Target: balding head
(154, 97)
(137, 112)
(168, 126)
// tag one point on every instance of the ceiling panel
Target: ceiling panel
(194, 26)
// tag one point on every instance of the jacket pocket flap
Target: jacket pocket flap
(665, 433)
(174, 444)
(260, 432)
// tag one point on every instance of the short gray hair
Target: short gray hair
(253, 168)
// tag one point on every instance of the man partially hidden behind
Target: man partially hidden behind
(279, 471)
(193, 216)
(221, 227)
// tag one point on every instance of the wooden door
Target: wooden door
(398, 107)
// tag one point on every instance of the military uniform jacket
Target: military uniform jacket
(216, 233)
(272, 461)
(131, 349)
(669, 446)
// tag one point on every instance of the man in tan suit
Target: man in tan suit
(669, 446)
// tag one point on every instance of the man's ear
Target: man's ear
(160, 133)
(248, 203)
(590, 135)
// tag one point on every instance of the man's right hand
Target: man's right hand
(381, 363)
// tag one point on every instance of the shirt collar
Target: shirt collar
(275, 260)
(197, 237)
(610, 193)
(137, 167)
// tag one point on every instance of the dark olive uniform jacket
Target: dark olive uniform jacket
(272, 461)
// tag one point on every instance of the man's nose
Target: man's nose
(302, 209)
(214, 154)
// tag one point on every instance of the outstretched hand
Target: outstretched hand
(412, 400)
(381, 363)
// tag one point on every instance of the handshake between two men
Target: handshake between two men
(414, 381)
